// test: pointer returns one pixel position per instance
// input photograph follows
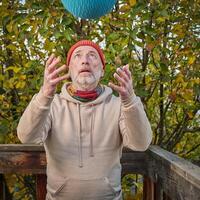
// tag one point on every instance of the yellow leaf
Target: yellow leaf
(11, 83)
(49, 45)
(54, 13)
(125, 8)
(15, 69)
(197, 81)
(22, 77)
(156, 55)
(191, 60)
(1, 97)
(190, 114)
(179, 78)
(132, 2)
(23, 84)
(15, 29)
(23, 98)
(28, 64)
(9, 27)
(12, 47)
(161, 19)
(187, 94)
(20, 84)
(1, 77)
(179, 30)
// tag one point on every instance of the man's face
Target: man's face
(85, 67)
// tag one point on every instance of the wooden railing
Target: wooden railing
(166, 176)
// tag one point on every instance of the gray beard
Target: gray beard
(86, 82)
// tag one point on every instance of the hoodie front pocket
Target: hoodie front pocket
(56, 184)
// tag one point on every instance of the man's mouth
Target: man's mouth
(84, 70)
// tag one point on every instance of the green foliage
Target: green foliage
(132, 186)
(159, 39)
(21, 186)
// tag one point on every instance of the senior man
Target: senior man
(85, 127)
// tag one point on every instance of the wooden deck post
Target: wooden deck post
(41, 181)
(2, 188)
(148, 189)
(153, 190)
(158, 190)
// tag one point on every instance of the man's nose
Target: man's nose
(85, 59)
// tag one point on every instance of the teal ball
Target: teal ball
(89, 9)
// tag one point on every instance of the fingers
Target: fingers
(51, 75)
(49, 61)
(119, 79)
(123, 76)
(127, 71)
(59, 79)
(52, 72)
(115, 87)
(56, 72)
(53, 64)
(123, 73)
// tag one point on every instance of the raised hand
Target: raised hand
(51, 75)
(125, 82)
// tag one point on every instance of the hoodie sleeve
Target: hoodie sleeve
(134, 125)
(35, 122)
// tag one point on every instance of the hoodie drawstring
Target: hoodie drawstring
(79, 137)
(91, 132)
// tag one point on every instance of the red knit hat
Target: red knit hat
(86, 43)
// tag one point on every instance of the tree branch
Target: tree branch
(195, 147)
(191, 130)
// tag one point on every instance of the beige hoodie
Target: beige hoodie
(83, 141)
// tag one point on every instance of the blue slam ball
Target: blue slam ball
(89, 9)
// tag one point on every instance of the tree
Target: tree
(158, 38)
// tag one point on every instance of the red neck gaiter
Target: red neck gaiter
(84, 96)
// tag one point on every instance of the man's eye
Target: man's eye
(77, 55)
(93, 55)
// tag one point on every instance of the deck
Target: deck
(165, 175)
